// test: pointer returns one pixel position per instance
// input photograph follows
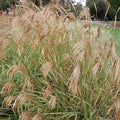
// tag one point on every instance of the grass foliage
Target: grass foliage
(53, 68)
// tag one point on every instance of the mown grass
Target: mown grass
(116, 37)
(115, 33)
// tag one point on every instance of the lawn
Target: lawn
(116, 37)
(115, 34)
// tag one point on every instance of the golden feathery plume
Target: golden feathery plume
(117, 71)
(25, 116)
(113, 50)
(97, 66)
(73, 85)
(46, 68)
(116, 103)
(85, 14)
(8, 101)
(37, 117)
(16, 68)
(52, 101)
(47, 91)
(22, 98)
(8, 87)
(28, 83)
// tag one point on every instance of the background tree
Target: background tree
(115, 5)
(4, 4)
(98, 8)
(44, 2)
(78, 7)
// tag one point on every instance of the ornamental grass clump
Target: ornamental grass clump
(58, 68)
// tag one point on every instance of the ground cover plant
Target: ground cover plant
(54, 68)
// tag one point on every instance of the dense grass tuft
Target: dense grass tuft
(54, 67)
